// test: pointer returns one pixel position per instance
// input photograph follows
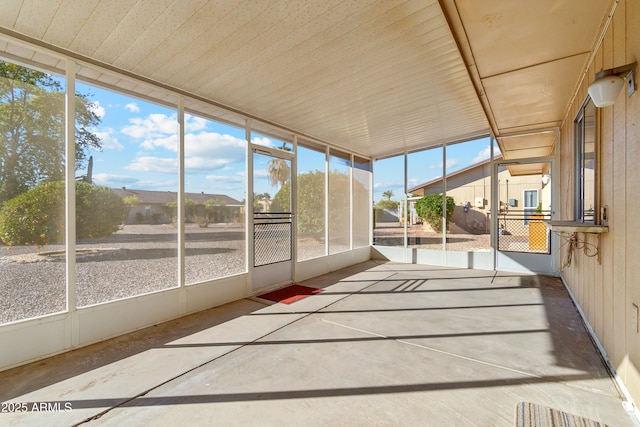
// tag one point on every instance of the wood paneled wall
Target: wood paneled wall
(607, 291)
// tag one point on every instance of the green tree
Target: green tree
(429, 208)
(32, 143)
(310, 215)
(387, 203)
(282, 200)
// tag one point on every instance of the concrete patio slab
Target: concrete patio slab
(371, 349)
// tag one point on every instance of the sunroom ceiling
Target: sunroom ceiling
(526, 58)
(377, 77)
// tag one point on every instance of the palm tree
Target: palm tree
(388, 194)
(279, 172)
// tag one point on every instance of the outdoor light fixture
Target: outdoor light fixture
(608, 84)
(546, 178)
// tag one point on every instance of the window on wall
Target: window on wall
(424, 182)
(311, 202)
(215, 191)
(127, 245)
(530, 199)
(388, 200)
(585, 166)
(361, 201)
(339, 202)
(32, 190)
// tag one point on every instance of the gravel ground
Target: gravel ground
(143, 258)
(136, 260)
(392, 234)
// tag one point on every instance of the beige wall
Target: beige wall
(606, 291)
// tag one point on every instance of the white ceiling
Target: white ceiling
(375, 76)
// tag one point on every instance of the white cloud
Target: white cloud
(108, 139)
(154, 164)
(193, 164)
(152, 127)
(207, 151)
(264, 141)
(482, 156)
(169, 142)
(239, 178)
(214, 145)
(97, 109)
(192, 123)
(133, 107)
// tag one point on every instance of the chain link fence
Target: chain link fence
(524, 231)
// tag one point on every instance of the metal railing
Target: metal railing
(524, 231)
(271, 237)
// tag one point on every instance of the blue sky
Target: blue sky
(423, 166)
(139, 151)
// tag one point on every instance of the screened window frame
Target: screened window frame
(579, 163)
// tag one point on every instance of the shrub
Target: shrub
(429, 208)
(37, 216)
(99, 211)
(202, 221)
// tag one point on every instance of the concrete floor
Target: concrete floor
(383, 344)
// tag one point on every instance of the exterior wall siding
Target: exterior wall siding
(608, 290)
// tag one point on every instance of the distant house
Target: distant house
(520, 192)
(160, 207)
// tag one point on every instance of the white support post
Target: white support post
(351, 160)
(444, 201)
(326, 200)
(73, 335)
(249, 240)
(181, 213)
(404, 210)
(294, 208)
(494, 202)
(371, 209)
(181, 207)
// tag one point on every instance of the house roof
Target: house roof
(458, 172)
(375, 77)
(162, 197)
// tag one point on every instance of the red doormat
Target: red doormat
(290, 294)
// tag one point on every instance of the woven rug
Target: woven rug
(290, 294)
(532, 415)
